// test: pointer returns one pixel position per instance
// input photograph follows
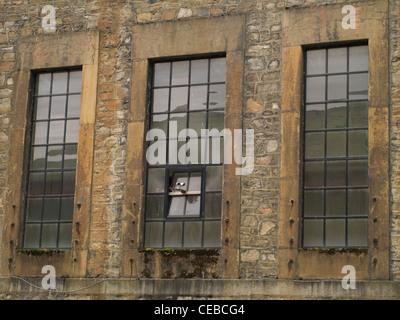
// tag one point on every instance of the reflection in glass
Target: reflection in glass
(358, 58)
(49, 235)
(58, 107)
(336, 115)
(313, 203)
(358, 86)
(315, 143)
(316, 61)
(216, 96)
(161, 74)
(212, 234)
(180, 72)
(315, 89)
(315, 116)
(173, 234)
(337, 87)
(358, 143)
(358, 202)
(198, 98)
(335, 233)
(337, 60)
(335, 202)
(217, 70)
(335, 173)
(357, 232)
(313, 232)
(336, 144)
(179, 99)
(314, 174)
(60, 80)
(192, 234)
(154, 233)
(160, 100)
(199, 71)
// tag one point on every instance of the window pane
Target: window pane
(36, 183)
(179, 99)
(173, 234)
(54, 157)
(313, 232)
(217, 70)
(180, 72)
(60, 82)
(58, 104)
(199, 71)
(337, 60)
(314, 174)
(42, 108)
(195, 181)
(44, 81)
(316, 61)
(67, 209)
(65, 235)
(357, 232)
(358, 143)
(336, 115)
(315, 89)
(38, 158)
(156, 180)
(335, 232)
(216, 96)
(336, 173)
(212, 206)
(74, 106)
(70, 155)
(180, 119)
(34, 210)
(214, 178)
(161, 74)
(315, 143)
(358, 173)
(198, 121)
(216, 151)
(337, 87)
(177, 206)
(358, 86)
(69, 182)
(336, 144)
(193, 205)
(358, 114)
(335, 202)
(198, 98)
(160, 121)
(155, 207)
(160, 100)
(49, 235)
(216, 120)
(154, 233)
(56, 134)
(72, 133)
(179, 181)
(53, 182)
(40, 133)
(32, 236)
(192, 234)
(315, 116)
(358, 202)
(313, 203)
(212, 234)
(75, 81)
(51, 209)
(358, 58)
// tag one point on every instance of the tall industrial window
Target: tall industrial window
(52, 160)
(335, 150)
(184, 188)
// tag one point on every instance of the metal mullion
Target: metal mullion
(336, 73)
(336, 101)
(336, 188)
(335, 129)
(56, 95)
(190, 84)
(303, 142)
(347, 150)
(325, 147)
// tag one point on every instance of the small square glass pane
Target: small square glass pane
(72, 133)
(54, 157)
(358, 173)
(49, 235)
(56, 134)
(313, 203)
(358, 143)
(60, 80)
(192, 234)
(193, 205)
(154, 207)
(162, 74)
(160, 121)
(32, 236)
(358, 58)
(214, 178)
(335, 203)
(213, 204)
(69, 182)
(335, 173)
(51, 209)
(335, 233)
(156, 180)
(180, 72)
(44, 81)
(217, 70)
(358, 86)
(358, 114)
(40, 132)
(176, 128)
(316, 61)
(216, 151)
(212, 234)
(315, 144)
(67, 209)
(216, 120)
(58, 104)
(336, 144)
(36, 183)
(160, 100)
(358, 202)
(70, 155)
(198, 98)
(315, 89)
(154, 233)
(337, 60)
(53, 183)
(336, 115)
(75, 81)
(177, 206)
(198, 121)
(314, 174)
(173, 235)
(337, 87)
(65, 235)
(199, 71)
(315, 116)
(357, 232)
(74, 105)
(34, 209)
(216, 96)
(38, 158)
(42, 108)
(313, 233)
(179, 99)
